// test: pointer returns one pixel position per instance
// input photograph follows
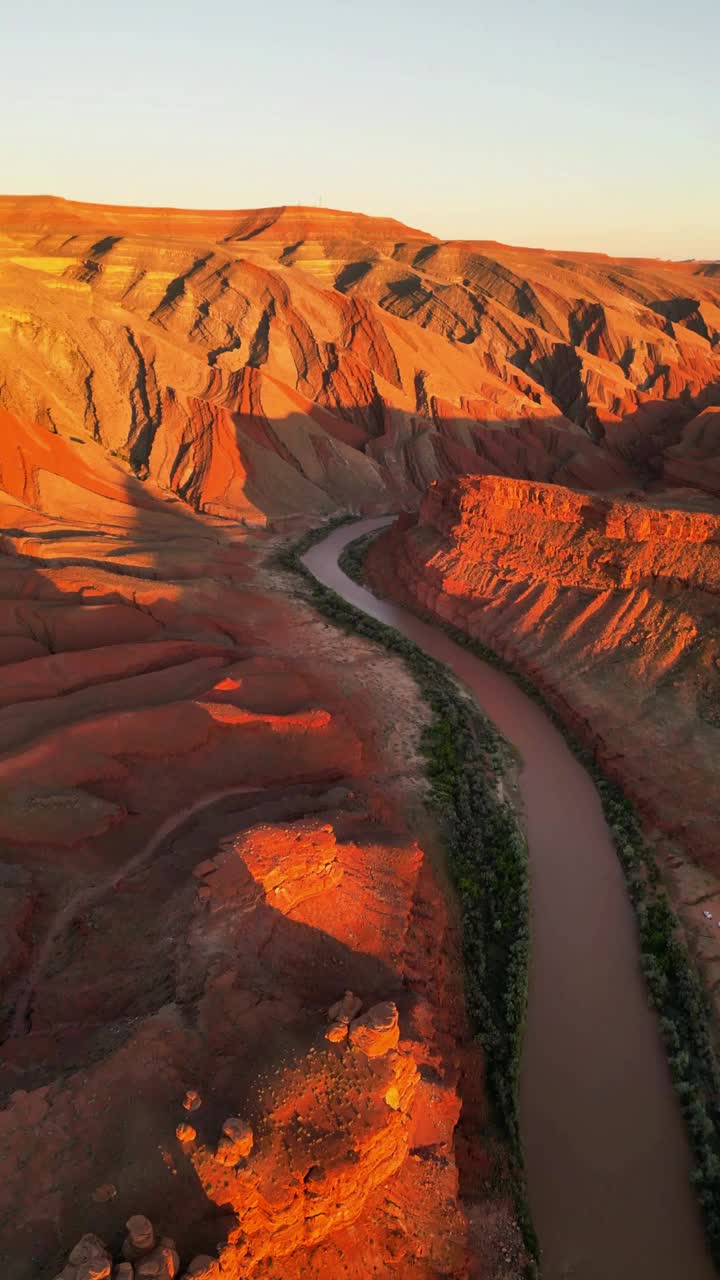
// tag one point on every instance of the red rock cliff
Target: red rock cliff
(202, 790)
(281, 362)
(612, 609)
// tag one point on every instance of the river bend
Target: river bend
(607, 1161)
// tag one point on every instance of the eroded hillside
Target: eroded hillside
(203, 802)
(612, 608)
(230, 980)
(290, 361)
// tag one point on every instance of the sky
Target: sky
(565, 125)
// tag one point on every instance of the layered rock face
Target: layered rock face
(202, 789)
(230, 990)
(278, 362)
(613, 610)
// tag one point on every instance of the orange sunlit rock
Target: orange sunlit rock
(218, 936)
(271, 364)
(609, 605)
(377, 1032)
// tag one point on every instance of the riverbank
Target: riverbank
(624, 1144)
(675, 988)
(203, 951)
(466, 762)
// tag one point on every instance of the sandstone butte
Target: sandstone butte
(232, 1006)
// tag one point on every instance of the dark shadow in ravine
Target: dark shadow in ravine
(162, 573)
(101, 1009)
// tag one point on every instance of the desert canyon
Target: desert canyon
(233, 1002)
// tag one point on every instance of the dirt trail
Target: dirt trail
(87, 897)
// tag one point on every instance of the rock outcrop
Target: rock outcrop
(612, 609)
(202, 790)
(230, 987)
(285, 362)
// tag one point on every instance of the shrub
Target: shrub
(675, 989)
(485, 848)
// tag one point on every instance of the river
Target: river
(606, 1156)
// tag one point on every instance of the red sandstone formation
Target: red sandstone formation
(613, 610)
(201, 796)
(376, 1032)
(289, 361)
(230, 990)
(695, 459)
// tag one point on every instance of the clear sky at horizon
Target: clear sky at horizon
(565, 125)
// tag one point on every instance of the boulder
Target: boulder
(345, 1009)
(377, 1032)
(236, 1142)
(140, 1239)
(202, 1267)
(162, 1264)
(88, 1260)
(337, 1032)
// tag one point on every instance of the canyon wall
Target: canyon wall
(230, 980)
(612, 609)
(284, 362)
(203, 792)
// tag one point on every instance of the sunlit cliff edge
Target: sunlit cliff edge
(267, 363)
(204, 794)
(612, 609)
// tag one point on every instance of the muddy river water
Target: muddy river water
(606, 1156)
